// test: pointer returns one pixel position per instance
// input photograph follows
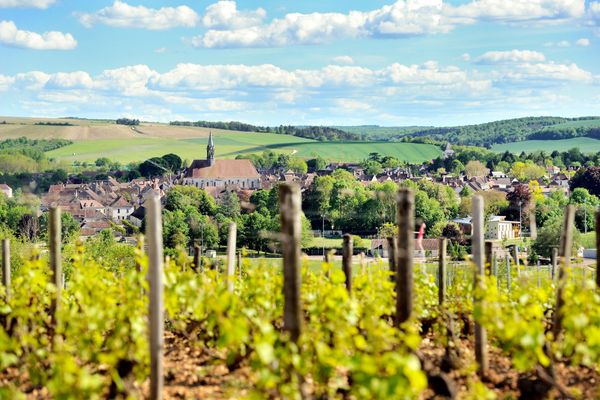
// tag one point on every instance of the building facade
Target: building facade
(221, 173)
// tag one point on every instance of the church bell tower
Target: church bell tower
(210, 150)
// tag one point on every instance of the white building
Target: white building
(498, 228)
(6, 190)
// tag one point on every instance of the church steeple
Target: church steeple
(210, 150)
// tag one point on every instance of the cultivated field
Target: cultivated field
(94, 139)
(586, 145)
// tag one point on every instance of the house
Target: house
(379, 247)
(448, 152)
(6, 190)
(498, 228)
(221, 173)
(137, 217)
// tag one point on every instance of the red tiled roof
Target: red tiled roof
(222, 169)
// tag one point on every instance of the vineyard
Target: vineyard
(183, 328)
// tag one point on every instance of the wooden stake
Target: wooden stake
(517, 261)
(231, 244)
(239, 262)
(477, 245)
(564, 252)
(362, 263)
(392, 251)
(532, 225)
(54, 232)
(347, 261)
(598, 249)
(156, 306)
(6, 266)
(442, 244)
(489, 254)
(197, 257)
(291, 230)
(508, 268)
(555, 262)
(405, 213)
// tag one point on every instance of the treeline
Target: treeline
(322, 133)
(505, 131)
(38, 144)
(54, 123)
(127, 121)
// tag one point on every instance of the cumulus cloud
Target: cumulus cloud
(584, 42)
(10, 35)
(219, 91)
(6, 82)
(513, 11)
(225, 15)
(123, 15)
(43, 4)
(343, 60)
(512, 56)
(550, 71)
(229, 27)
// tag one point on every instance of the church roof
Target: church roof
(222, 169)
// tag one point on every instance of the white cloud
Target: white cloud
(512, 56)
(6, 82)
(562, 44)
(161, 50)
(466, 57)
(123, 15)
(343, 60)
(252, 92)
(550, 71)
(229, 27)
(584, 42)
(10, 35)
(43, 4)
(594, 12)
(225, 15)
(70, 80)
(515, 11)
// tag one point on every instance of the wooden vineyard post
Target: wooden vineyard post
(489, 251)
(347, 261)
(597, 250)
(442, 245)
(495, 270)
(508, 275)
(517, 262)
(289, 206)
(239, 262)
(197, 257)
(54, 232)
(532, 225)
(554, 262)
(363, 268)
(156, 306)
(6, 266)
(392, 251)
(231, 244)
(478, 258)
(539, 277)
(404, 255)
(564, 253)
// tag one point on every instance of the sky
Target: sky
(402, 63)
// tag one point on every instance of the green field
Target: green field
(586, 145)
(229, 145)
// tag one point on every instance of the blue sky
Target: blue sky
(408, 62)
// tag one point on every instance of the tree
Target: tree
(476, 168)
(175, 229)
(588, 178)
(372, 167)
(172, 162)
(316, 164)
(230, 205)
(153, 167)
(549, 237)
(298, 165)
(102, 162)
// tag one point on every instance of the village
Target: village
(109, 204)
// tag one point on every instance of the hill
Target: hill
(93, 139)
(491, 133)
(585, 144)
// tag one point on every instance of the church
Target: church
(221, 173)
